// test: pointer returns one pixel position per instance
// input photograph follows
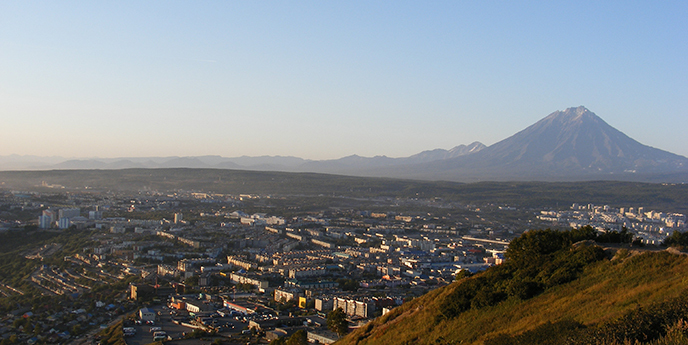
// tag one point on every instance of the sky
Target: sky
(328, 79)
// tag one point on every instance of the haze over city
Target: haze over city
(326, 80)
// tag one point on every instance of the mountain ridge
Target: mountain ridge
(574, 144)
(570, 145)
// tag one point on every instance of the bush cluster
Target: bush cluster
(677, 239)
(536, 261)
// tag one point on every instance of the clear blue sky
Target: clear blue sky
(326, 79)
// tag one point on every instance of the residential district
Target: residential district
(181, 266)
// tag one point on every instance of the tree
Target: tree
(615, 236)
(336, 322)
(244, 287)
(278, 341)
(28, 328)
(298, 338)
(191, 281)
(677, 239)
(348, 284)
(76, 330)
(533, 247)
(464, 273)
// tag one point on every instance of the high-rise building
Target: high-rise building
(178, 217)
(64, 223)
(51, 214)
(95, 215)
(44, 222)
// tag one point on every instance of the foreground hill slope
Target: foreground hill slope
(577, 295)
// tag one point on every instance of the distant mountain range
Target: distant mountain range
(570, 145)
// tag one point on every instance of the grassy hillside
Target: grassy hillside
(623, 294)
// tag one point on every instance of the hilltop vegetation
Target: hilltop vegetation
(556, 288)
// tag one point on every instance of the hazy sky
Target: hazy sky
(326, 79)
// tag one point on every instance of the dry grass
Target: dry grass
(605, 291)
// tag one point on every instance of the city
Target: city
(256, 268)
(343, 172)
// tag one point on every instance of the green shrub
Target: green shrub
(537, 260)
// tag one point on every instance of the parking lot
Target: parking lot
(176, 331)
